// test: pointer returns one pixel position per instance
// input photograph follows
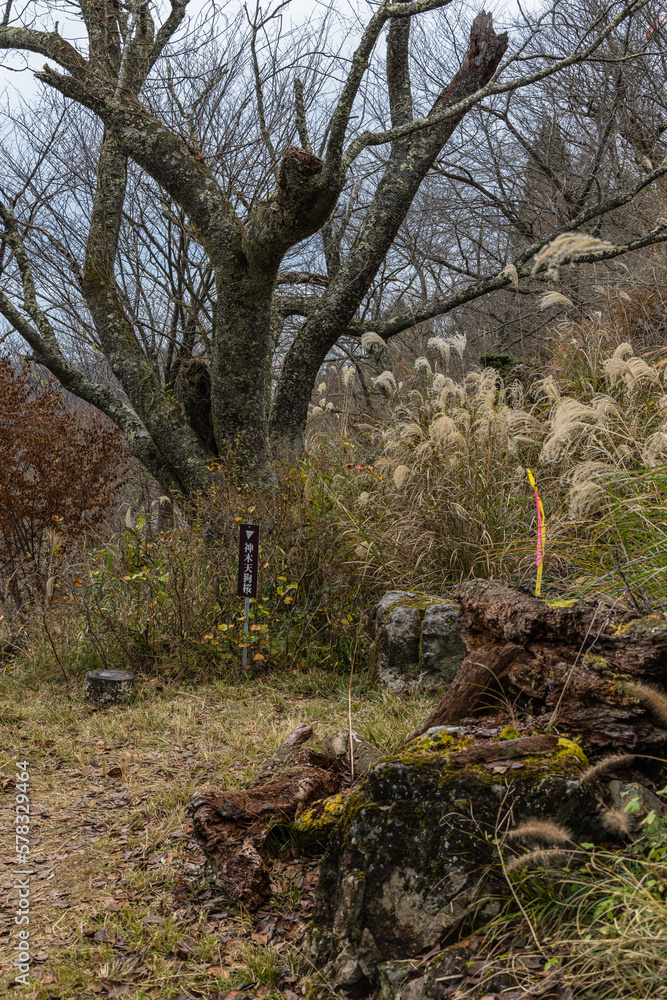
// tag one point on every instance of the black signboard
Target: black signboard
(248, 560)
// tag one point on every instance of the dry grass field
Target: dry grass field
(122, 901)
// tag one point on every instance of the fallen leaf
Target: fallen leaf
(112, 905)
(184, 949)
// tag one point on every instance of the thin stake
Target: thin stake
(541, 535)
(349, 703)
(245, 629)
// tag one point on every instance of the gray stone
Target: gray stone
(442, 649)
(413, 856)
(622, 792)
(417, 641)
(365, 754)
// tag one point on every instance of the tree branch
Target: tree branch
(47, 352)
(398, 324)
(168, 29)
(340, 118)
(168, 159)
(44, 43)
(398, 71)
(301, 278)
(462, 106)
(264, 132)
(301, 122)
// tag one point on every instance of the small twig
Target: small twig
(53, 647)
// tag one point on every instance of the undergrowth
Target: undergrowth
(601, 925)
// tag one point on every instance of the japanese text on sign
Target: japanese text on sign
(248, 560)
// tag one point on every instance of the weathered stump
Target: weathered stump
(232, 827)
(567, 666)
(103, 688)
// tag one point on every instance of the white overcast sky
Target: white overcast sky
(16, 71)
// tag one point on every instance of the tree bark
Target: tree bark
(576, 669)
(232, 827)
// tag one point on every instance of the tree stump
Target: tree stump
(564, 666)
(103, 688)
(232, 827)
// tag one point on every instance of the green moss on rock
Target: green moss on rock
(416, 843)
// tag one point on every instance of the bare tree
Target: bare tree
(241, 221)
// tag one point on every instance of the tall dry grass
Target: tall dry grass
(439, 490)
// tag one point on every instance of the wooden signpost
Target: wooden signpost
(248, 565)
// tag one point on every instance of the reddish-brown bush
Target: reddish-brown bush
(59, 473)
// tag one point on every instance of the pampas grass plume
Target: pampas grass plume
(386, 382)
(653, 697)
(544, 830)
(441, 345)
(370, 338)
(401, 473)
(509, 271)
(564, 247)
(553, 299)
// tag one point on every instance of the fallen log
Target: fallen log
(232, 827)
(565, 666)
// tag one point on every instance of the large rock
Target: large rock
(416, 641)
(414, 853)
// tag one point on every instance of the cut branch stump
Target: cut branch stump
(103, 688)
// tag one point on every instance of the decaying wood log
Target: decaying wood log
(232, 827)
(570, 667)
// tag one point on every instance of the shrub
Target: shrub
(167, 602)
(59, 473)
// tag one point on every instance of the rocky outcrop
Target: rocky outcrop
(414, 853)
(416, 641)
